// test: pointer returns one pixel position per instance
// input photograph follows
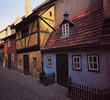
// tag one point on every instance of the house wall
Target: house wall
(106, 9)
(53, 68)
(2, 35)
(10, 50)
(5, 53)
(34, 70)
(22, 43)
(74, 7)
(1, 56)
(93, 79)
(45, 30)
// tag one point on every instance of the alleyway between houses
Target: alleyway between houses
(17, 86)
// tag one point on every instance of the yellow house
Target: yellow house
(31, 35)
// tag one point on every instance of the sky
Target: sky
(10, 9)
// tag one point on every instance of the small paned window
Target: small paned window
(12, 57)
(93, 64)
(65, 30)
(35, 61)
(9, 43)
(25, 32)
(50, 13)
(20, 61)
(76, 62)
(49, 62)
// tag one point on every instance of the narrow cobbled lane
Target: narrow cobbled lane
(17, 86)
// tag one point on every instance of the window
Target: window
(49, 62)
(12, 57)
(19, 61)
(25, 32)
(9, 43)
(76, 62)
(35, 61)
(50, 13)
(65, 30)
(93, 63)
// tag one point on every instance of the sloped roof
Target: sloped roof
(86, 31)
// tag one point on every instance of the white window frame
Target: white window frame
(34, 61)
(92, 62)
(49, 62)
(65, 30)
(12, 57)
(74, 63)
(9, 43)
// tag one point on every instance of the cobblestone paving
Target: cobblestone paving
(17, 86)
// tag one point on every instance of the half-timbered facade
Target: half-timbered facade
(32, 33)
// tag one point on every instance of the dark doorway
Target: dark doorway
(9, 61)
(26, 64)
(62, 69)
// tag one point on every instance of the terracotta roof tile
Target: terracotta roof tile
(89, 29)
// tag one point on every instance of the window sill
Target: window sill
(66, 36)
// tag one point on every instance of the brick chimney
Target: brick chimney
(28, 8)
(106, 9)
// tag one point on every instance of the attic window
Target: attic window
(65, 30)
(50, 13)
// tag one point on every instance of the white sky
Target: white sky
(10, 9)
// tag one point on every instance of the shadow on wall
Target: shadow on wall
(94, 3)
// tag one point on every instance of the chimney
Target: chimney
(28, 9)
(106, 8)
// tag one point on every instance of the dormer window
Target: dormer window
(66, 25)
(65, 30)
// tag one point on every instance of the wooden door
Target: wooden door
(62, 69)
(26, 64)
(9, 61)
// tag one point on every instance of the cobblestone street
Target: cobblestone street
(17, 86)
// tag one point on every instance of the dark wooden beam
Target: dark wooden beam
(38, 30)
(28, 49)
(30, 33)
(46, 23)
(20, 41)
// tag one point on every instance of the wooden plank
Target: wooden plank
(46, 23)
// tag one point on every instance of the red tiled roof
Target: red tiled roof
(86, 31)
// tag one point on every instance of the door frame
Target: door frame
(26, 68)
(66, 67)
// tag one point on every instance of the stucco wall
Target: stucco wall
(53, 68)
(74, 7)
(33, 69)
(94, 79)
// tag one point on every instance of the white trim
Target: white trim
(65, 30)
(91, 62)
(75, 63)
(34, 61)
(49, 61)
(9, 43)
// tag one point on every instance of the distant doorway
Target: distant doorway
(9, 61)
(26, 64)
(62, 69)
